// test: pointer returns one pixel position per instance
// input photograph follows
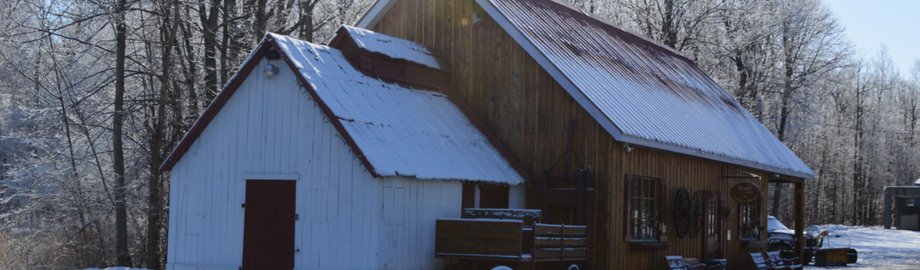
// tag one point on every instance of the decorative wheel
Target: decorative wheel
(682, 213)
(696, 211)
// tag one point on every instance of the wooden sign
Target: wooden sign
(745, 192)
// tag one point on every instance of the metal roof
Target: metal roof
(639, 91)
(400, 131)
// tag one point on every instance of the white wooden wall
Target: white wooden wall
(271, 129)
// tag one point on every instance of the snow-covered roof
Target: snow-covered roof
(396, 131)
(641, 92)
(400, 131)
(393, 47)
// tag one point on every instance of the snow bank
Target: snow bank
(878, 248)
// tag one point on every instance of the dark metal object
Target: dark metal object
(835, 256)
(682, 213)
(696, 210)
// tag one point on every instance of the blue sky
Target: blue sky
(871, 24)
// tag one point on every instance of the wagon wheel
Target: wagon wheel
(696, 210)
(681, 213)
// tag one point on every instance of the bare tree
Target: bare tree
(123, 256)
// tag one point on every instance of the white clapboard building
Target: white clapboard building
(307, 160)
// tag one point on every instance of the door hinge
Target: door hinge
(243, 205)
(296, 216)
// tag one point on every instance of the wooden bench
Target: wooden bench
(773, 261)
(681, 263)
(760, 262)
(783, 263)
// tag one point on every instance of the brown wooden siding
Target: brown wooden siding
(529, 112)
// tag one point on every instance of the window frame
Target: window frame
(659, 219)
(485, 195)
(756, 216)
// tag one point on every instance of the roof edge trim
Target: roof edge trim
(719, 158)
(375, 13)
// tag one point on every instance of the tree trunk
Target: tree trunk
(229, 28)
(123, 256)
(785, 100)
(668, 29)
(154, 185)
(209, 36)
(191, 72)
(857, 156)
(306, 13)
(256, 10)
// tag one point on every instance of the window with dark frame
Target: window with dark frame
(749, 220)
(490, 196)
(644, 196)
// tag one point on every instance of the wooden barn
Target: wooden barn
(669, 162)
(397, 147)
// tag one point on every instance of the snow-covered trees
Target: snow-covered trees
(64, 91)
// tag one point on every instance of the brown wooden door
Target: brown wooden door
(712, 229)
(268, 228)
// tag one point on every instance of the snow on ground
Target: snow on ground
(877, 247)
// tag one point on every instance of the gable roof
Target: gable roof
(639, 91)
(395, 131)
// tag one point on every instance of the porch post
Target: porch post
(899, 203)
(886, 209)
(800, 220)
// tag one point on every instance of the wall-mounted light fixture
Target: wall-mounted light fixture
(270, 70)
(628, 148)
(473, 19)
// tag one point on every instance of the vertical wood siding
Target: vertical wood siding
(271, 129)
(523, 106)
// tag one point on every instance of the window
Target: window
(477, 195)
(749, 220)
(712, 218)
(644, 204)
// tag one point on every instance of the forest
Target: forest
(95, 93)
